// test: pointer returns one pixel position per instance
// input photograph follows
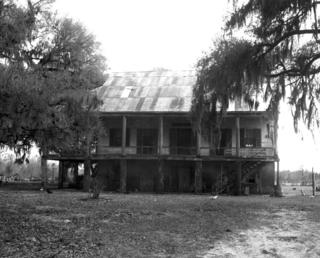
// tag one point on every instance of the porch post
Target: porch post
(221, 175)
(238, 136)
(76, 174)
(199, 142)
(161, 135)
(260, 182)
(237, 174)
(198, 176)
(160, 185)
(278, 174)
(278, 189)
(214, 177)
(237, 178)
(123, 175)
(124, 129)
(60, 177)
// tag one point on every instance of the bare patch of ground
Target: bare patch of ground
(290, 234)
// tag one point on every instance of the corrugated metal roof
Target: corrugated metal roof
(155, 91)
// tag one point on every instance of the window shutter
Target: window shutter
(139, 141)
(242, 138)
(257, 135)
(111, 136)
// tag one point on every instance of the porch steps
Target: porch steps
(248, 168)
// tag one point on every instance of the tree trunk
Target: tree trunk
(87, 177)
(123, 175)
(237, 178)
(87, 165)
(60, 179)
(198, 177)
(76, 174)
(44, 169)
(160, 186)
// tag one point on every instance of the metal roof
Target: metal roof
(153, 91)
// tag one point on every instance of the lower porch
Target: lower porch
(181, 176)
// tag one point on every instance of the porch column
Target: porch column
(76, 174)
(161, 135)
(238, 136)
(123, 175)
(199, 142)
(160, 185)
(214, 179)
(278, 189)
(221, 176)
(237, 174)
(260, 182)
(60, 176)
(124, 129)
(278, 174)
(198, 176)
(237, 178)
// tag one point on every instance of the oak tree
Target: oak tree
(277, 57)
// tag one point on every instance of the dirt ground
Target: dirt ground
(291, 234)
(69, 224)
(285, 233)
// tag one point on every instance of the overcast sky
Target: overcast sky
(139, 35)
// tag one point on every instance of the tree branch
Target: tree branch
(282, 38)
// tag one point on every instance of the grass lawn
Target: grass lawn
(69, 224)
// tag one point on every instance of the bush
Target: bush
(98, 183)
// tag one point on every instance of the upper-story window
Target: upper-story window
(182, 141)
(250, 138)
(147, 141)
(116, 137)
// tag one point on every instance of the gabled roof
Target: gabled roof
(155, 91)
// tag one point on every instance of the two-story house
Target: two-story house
(148, 143)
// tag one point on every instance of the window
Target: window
(182, 141)
(251, 179)
(147, 141)
(116, 137)
(250, 138)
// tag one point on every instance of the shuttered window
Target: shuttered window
(116, 137)
(147, 141)
(182, 141)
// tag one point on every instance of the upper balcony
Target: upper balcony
(175, 152)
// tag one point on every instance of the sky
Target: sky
(139, 35)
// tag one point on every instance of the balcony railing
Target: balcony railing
(188, 151)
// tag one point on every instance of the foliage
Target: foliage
(298, 177)
(49, 65)
(98, 183)
(25, 171)
(278, 58)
